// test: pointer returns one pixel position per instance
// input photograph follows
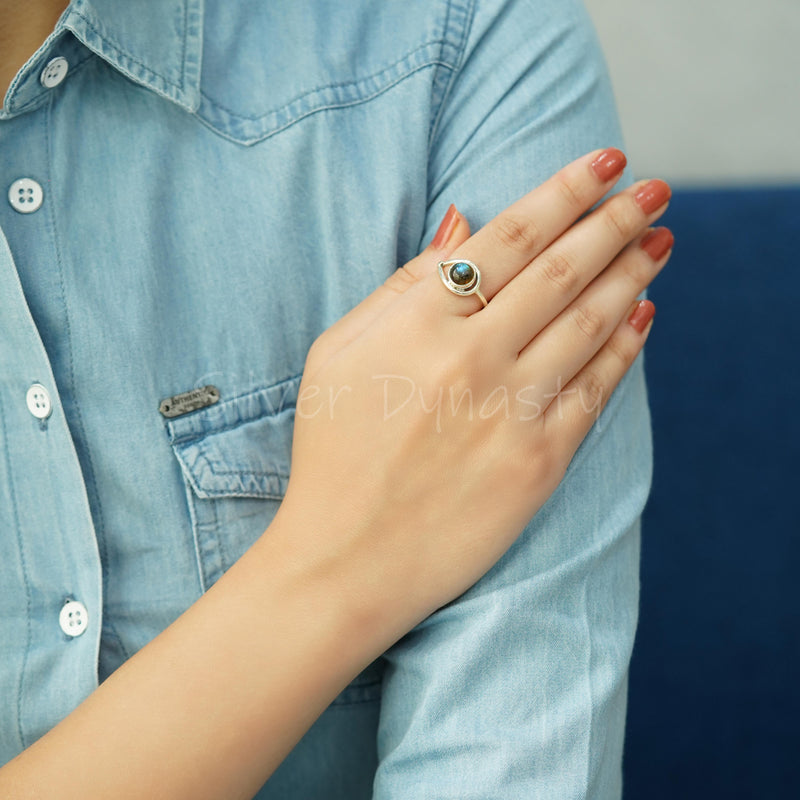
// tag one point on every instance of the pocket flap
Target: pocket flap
(240, 447)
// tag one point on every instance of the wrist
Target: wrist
(362, 602)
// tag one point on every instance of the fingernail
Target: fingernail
(653, 195)
(609, 164)
(642, 314)
(658, 243)
(445, 230)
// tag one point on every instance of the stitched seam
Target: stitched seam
(183, 46)
(119, 50)
(212, 531)
(229, 426)
(91, 488)
(436, 74)
(45, 96)
(244, 472)
(209, 494)
(23, 560)
(22, 72)
(177, 439)
(461, 47)
(197, 17)
(330, 86)
(332, 107)
(194, 526)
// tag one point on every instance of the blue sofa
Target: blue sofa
(714, 709)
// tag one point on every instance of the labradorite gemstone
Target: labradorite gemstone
(462, 273)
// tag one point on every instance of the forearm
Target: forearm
(211, 706)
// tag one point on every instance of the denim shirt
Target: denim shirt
(205, 188)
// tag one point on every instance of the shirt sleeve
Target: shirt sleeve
(518, 688)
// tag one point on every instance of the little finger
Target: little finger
(572, 412)
(570, 340)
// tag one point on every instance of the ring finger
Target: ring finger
(564, 347)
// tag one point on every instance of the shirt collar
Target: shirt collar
(157, 43)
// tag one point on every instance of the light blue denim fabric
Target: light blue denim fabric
(221, 184)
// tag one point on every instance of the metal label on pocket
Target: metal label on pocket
(189, 401)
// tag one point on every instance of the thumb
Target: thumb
(453, 232)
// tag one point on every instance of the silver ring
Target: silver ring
(462, 277)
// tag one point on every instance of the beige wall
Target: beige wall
(708, 90)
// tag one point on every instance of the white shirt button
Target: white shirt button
(73, 618)
(25, 195)
(38, 401)
(54, 72)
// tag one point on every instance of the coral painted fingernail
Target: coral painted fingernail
(653, 195)
(642, 314)
(609, 164)
(445, 230)
(658, 243)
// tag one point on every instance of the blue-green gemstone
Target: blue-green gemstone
(462, 273)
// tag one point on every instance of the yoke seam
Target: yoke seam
(468, 13)
(340, 85)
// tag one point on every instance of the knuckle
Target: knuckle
(517, 233)
(400, 280)
(546, 466)
(589, 322)
(624, 354)
(618, 221)
(636, 270)
(572, 192)
(455, 367)
(592, 389)
(558, 270)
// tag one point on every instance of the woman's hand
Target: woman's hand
(429, 430)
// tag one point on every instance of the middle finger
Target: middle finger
(509, 242)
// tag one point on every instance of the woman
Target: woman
(196, 195)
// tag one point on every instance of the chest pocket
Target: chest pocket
(235, 457)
